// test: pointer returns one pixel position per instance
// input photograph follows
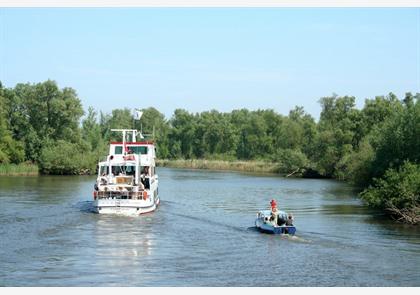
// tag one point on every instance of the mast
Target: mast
(125, 132)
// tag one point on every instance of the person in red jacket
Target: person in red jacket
(274, 212)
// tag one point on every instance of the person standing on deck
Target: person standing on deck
(274, 212)
(144, 177)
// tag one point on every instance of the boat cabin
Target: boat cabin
(128, 162)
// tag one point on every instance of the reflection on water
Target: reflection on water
(122, 237)
(201, 235)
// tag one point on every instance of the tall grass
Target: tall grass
(22, 169)
(245, 166)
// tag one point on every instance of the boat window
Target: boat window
(118, 150)
(130, 170)
(125, 170)
(145, 170)
(139, 150)
(116, 170)
(103, 170)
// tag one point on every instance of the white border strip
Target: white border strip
(207, 3)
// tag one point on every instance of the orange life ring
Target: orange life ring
(144, 195)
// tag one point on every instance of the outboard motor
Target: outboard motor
(289, 220)
(281, 219)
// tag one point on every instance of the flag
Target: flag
(137, 115)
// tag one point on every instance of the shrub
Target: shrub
(290, 160)
(65, 158)
(398, 192)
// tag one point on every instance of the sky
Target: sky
(201, 59)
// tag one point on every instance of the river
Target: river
(201, 235)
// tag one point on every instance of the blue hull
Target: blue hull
(281, 230)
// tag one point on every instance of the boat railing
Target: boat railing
(129, 157)
(140, 195)
(124, 179)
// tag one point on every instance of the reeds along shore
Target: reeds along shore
(246, 166)
(18, 170)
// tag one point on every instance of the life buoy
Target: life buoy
(95, 193)
(144, 195)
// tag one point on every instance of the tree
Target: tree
(182, 133)
(11, 150)
(214, 135)
(39, 112)
(308, 129)
(398, 192)
(290, 161)
(118, 119)
(91, 131)
(152, 121)
(65, 158)
(376, 112)
(398, 139)
(336, 134)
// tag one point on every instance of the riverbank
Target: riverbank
(244, 166)
(22, 169)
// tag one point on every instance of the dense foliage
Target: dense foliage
(398, 192)
(372, 146)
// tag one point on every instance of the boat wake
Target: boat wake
(212, 222)
(293, 238)
(85, 206)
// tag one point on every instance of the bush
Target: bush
(398, 192)
(65, 158)
(290, 160)
(356, 165)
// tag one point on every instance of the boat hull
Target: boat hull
(124, 207)
(271, 229)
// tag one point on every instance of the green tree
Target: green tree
(377, 112)
(336, 134)
(290, 161)
(65, 158)
(154, 122)
(182, 134)
(214, 135)
(39, 112)
(93, 143)
(309, 129)
(398, 139)
(118, 119)
(398, 192)
(91, 131)
(11, 150)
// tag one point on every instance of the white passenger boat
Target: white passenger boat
(127, 181)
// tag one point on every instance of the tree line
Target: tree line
(377, 147)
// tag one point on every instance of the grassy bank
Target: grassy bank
(20, 169)
(245, 166)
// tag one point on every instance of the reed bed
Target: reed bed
(244, 166)
(22, 169)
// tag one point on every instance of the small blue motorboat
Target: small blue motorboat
(266, 223)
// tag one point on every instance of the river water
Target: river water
(201, 235)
